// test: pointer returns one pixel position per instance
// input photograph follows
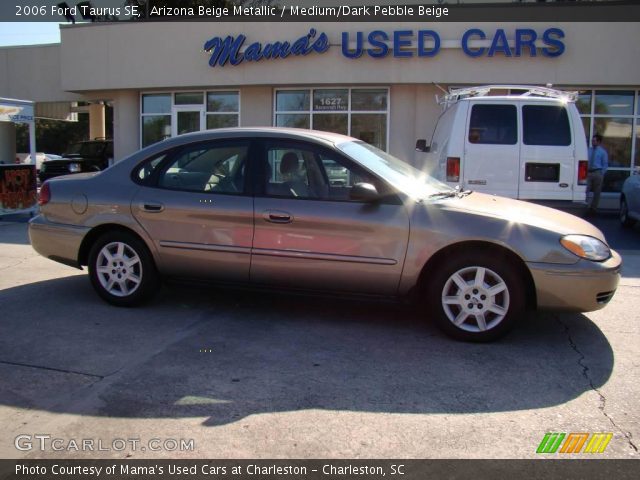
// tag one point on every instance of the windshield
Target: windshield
(400, 174)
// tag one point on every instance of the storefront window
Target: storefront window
(292, 100)
(369, 99)
(330, 100)
(614, 102)
(584, 103)
(222, 102)
(332, 122)
(586, 123)
(156, 103)
(293, 120)
(616, 133)
(370, 128)
(223, 109)
(155, 128)
(175, 113)
(188, 98)
(359, 112)
(615, 112)
(221, 121)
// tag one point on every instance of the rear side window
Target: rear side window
(493, 125)
(546, 125)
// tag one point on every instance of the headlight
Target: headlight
(43, 167)
(75, 167)
(586, 247)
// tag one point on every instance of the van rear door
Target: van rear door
(547, 152)
(492, 152)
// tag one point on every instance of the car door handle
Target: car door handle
(275, 216)
(152, 207)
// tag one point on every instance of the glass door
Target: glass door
(187, 119)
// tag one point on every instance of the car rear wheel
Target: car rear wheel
(625, 220)
(475, 298)
(122, 270)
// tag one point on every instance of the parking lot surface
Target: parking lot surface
(241, 374)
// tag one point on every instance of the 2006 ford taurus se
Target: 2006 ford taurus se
(319, 211)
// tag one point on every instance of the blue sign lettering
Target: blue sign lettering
(403, 43)
(228, 49)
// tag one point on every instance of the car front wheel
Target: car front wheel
(476, 298)
(122, 270)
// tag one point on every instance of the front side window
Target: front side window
(206, 169)
(310, 173)
(493, 125)
(546, 125)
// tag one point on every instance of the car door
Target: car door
(310, 234)
(547, 153)
(491, 150)
(195, 205)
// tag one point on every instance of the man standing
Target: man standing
(598, 164)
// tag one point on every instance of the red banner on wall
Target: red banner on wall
(18, 188)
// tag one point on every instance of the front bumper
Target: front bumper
(56, 241)
(582, 287)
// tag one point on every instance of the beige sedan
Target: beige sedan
(262, 206)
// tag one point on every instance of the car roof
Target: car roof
(283, 132)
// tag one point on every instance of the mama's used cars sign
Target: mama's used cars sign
(475, 42)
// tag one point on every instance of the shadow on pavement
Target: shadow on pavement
(224, 355)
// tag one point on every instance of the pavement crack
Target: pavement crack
(585, 373)
(41, 367)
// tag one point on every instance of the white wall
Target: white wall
(32, 73)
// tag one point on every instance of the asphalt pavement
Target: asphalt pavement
(238, 374)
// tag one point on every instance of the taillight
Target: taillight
(453, 169)
(45, 194)
(582, 172)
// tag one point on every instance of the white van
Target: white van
(529, 144)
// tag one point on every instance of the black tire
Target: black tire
(498, 273)
(625, 220)
(134, 283)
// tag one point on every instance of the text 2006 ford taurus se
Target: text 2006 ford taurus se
(319, 211)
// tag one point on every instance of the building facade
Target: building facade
(374, 81)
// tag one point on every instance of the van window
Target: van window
(545, 125)
(493, 124)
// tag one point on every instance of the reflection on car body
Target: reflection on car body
(262, 206)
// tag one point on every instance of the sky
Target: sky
(28, 33)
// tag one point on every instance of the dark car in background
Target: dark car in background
(81, 157)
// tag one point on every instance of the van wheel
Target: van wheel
(476, 299)
(122, 270)
(625, 220)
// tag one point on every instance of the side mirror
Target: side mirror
(421, 146)
(364, 192)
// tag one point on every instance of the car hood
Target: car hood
(527, 213)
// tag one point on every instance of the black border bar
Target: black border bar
(544, 468)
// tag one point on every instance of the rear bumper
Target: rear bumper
(56, 241)
(582, 287)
